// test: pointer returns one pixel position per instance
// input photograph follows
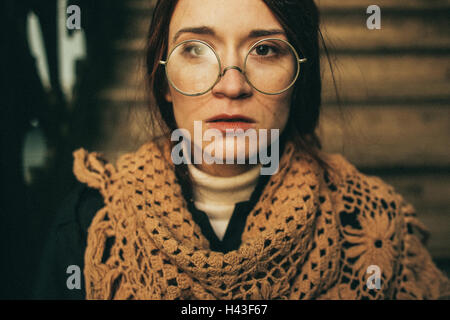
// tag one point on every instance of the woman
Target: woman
(305, 225)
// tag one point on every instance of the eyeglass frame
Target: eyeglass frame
(221, 74)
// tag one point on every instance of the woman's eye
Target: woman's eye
(264, 50)
(195, 50)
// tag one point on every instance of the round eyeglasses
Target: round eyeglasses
(271, 66)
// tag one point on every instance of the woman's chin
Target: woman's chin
(232, 152)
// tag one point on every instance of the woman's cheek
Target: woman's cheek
(280, 116)
(182, 115)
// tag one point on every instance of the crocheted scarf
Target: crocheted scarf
(313, 234)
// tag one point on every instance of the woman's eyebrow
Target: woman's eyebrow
(265, 32)
(197, 30)
(257, 33)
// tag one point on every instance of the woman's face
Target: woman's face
(229, 27)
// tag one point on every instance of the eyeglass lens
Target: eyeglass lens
(271, 66)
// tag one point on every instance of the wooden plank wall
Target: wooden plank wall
(393, 120)
(396, 92)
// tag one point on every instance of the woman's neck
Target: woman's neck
(217, 195)
(218, 189)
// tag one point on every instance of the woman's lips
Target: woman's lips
(223, 122)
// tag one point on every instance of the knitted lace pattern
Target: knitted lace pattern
(312, 235)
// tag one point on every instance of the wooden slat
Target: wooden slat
(388, 136)
(398, 32)
(333, 4)
(345, 32)
(360, 78)
(423, 190)
(389, 77)
(383, 4)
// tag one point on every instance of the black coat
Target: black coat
(67, 239)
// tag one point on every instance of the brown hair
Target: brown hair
(300, 20)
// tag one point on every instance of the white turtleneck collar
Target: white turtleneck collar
(217, 196)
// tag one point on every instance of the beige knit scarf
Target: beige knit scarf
(312, 234)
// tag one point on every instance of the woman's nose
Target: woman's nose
(232, 84)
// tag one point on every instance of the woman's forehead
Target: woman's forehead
(224, 17)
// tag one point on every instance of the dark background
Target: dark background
(393, 120)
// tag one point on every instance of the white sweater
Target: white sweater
(217, 196)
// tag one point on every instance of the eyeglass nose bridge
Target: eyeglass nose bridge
(222, 74)
(229, 68)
